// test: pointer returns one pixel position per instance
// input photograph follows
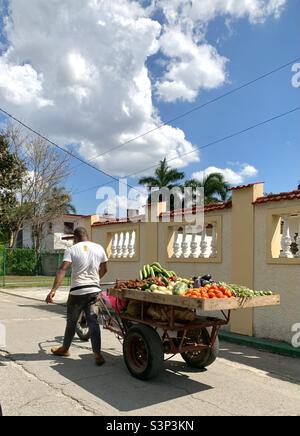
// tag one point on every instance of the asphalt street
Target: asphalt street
(243, 381)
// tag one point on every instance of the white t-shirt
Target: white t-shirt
(86, 258)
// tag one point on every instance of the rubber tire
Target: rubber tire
(207, 357)
(83, 336)
(154, 348)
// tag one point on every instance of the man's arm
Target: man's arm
(103, 269)
(58, 280)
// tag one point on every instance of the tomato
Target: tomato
(219, 294)
(211, 295)
(228, 293)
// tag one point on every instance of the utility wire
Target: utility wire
(196, 108)
(210, 144)
(225, 138)
(64, 150)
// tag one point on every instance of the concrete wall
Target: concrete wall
(221, 271)
(248, 231)
(282, 277)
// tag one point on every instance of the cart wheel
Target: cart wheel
(203, 358)
(143, 352)
(82, 329)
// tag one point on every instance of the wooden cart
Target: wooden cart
(147, 340)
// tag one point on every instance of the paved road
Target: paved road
(242, 382)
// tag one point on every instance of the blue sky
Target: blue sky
(252, 50)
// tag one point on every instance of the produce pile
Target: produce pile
(157, 280)
(156, 270)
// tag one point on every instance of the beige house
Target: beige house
(253, 240)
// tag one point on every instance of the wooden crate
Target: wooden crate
(200, 304)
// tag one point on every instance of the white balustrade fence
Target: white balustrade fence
(123, 245)
(290, 239)
(192, 242)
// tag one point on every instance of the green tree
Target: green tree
(61, 199)
(165, 177)
(215, 187)
(41, 198)
(11, 175)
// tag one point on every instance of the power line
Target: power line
(63, 149)
(210, 144)
(225, 138)
(196, 108)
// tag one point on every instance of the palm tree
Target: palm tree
(62, 199)
(216, 189)
(165, 177)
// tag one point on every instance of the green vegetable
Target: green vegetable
(141, 275)
(157, 265)
(165, 281)
(145, 272)
(152, 273)
(180, 288)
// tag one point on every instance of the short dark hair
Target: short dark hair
(81, 233)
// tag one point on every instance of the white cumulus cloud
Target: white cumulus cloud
(78, 72)
(244, 173)
(193, 64)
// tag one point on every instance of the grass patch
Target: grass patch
(29, 281)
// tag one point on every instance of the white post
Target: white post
(126, 245)
(176, 245)
(203, 244)
(185, 244)
(194, 245)
(114, 246)
(120, 246)
(297, 255)
(132, 245)
(286, 239)
(214, 241)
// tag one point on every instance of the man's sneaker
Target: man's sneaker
(61, 351)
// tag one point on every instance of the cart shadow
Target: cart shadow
(113, 384)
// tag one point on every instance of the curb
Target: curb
(281, 348)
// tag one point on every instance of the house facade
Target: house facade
(57, 231)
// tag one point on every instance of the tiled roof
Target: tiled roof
(236, 188)
(122, 221)
(293, 195)
(207, 208)
(74, 215)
